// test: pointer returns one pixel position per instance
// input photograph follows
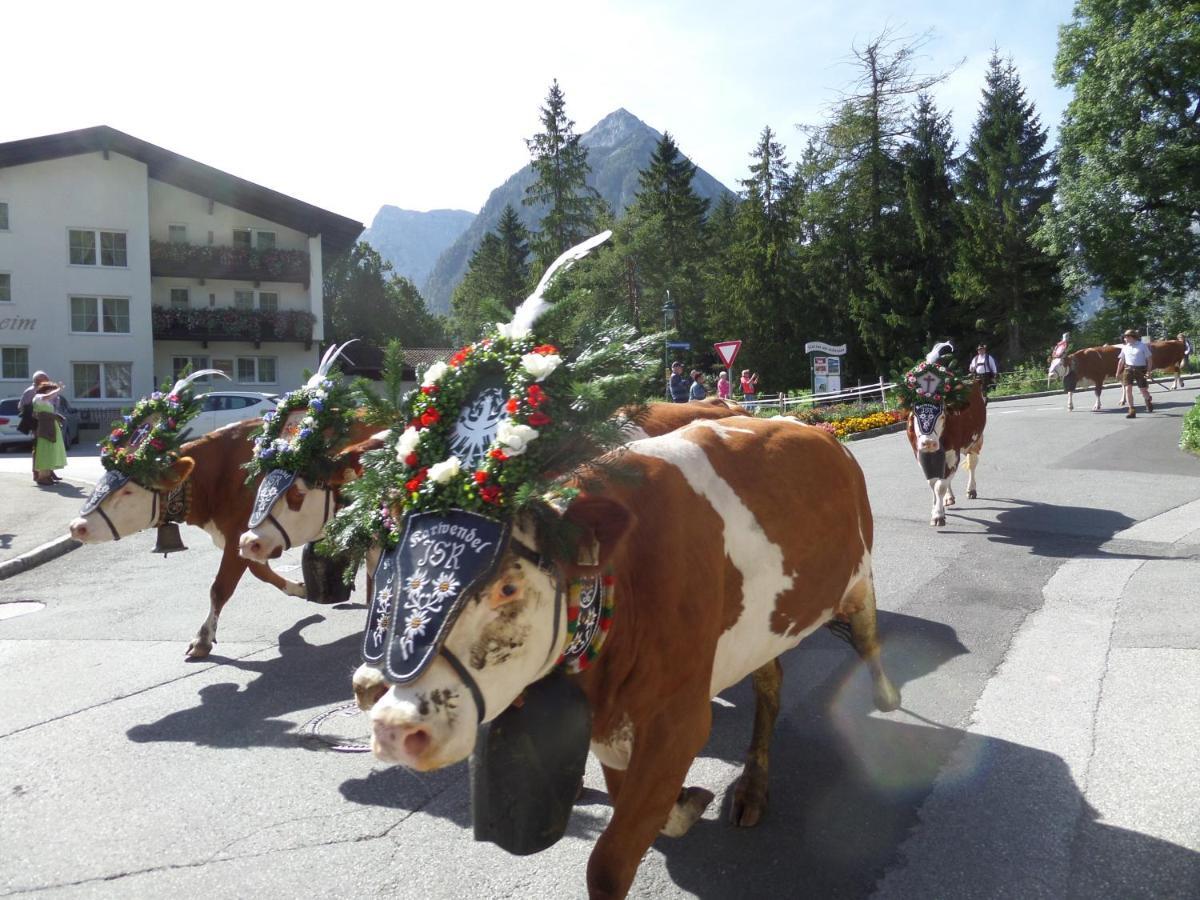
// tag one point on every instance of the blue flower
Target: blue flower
(316, 406)
(267, 453)
(157, 395)
(305, 432)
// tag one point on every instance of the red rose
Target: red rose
(536, 395)
(158, 444)
(411, 460)
(117, 434)
(429, 389)
(512, 406)
(414, 484)
(538, 419)
(490, 494)
(429, 417)
(481, 476)
(498, 455)
(545, 349)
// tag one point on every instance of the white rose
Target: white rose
(319, 394)
(515, 438)
(308, 421)
(445, 470)
(434, 374)
(508, 330)
(407, 443)
(540, 365)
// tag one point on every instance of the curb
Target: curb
(876, 432)
(38, 555)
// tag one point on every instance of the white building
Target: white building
(122, 262)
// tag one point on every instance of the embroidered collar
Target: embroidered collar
(590, 602)
(175, 504)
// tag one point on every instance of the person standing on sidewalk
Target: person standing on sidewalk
(1133, 365)
(724, 388)
(697, 390)
(49, 450)
(749, 386)
(25, 410)
(678, 384)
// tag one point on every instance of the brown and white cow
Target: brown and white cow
(942, 440)
(732, 541)
(1093, 365)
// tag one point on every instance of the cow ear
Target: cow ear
(176, 474)
(602, 519)
(347, 467)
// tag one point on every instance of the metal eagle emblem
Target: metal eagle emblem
(481, 415)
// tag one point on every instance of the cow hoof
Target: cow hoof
(886, 697)
(749, 801)
(198, 649)
(687, 811)
(971, 495)
(296, 589)
(938, 521)
(950, 501)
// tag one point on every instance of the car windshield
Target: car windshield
(9, 407)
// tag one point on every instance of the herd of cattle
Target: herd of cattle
(738, 537)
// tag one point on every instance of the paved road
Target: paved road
(1047, 643)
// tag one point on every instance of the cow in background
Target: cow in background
(714, 575)
(1093, 365)
(941, 440)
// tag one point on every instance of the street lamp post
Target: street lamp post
(669, 312)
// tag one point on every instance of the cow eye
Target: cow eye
(508, 590)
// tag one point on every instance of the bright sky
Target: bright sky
(353, 105)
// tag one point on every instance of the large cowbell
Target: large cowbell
(422, 583)
(324, 576)
(527, 767)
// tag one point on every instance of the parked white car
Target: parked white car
(10, 418)
(226, 407)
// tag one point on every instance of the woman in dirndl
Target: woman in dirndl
(50, 452)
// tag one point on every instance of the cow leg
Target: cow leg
(1099, 388)
(1070, 399)
(263, 572)
(750, 792)
(865, 638)
(938, 515)
(228, 576)
(970, 464)
(648, 791)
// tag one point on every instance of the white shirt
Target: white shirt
(1135, 354)
(983, 363)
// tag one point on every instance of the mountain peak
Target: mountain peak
(615, 129)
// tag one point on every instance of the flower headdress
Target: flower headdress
(930, 382)
(144, 443)
(489, 430)
(298, 435)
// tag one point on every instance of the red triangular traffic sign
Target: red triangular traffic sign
(728, 351)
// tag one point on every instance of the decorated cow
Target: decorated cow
(523, 609)
(1094, 365)
(946, 418)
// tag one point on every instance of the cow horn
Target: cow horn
(327, 362)
(533, 306)
(188, 379)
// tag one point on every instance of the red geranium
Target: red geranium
(535, 395)
(414, 484)
(498, 455)
(545, 349)
(428, 389)
(538, 419)
(512, 406)
(429, 417)
(411, 460)
(481, 476)
(490, 494)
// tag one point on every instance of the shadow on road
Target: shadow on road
(304, 676)
(1050, 530)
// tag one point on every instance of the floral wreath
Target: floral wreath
(145, 442)
(943, 388)
(301, 444)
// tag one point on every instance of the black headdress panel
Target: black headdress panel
(110, 482)
(273, 486)
(926, 415)
(422, 584)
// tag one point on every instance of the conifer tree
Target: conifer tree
(561, 168)
(513, 271)
(1004, 281)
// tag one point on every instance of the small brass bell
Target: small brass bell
(168, 540)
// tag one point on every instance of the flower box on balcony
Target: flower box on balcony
(225, 323)
(234, 263)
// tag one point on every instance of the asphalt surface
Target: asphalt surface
(1047, 644)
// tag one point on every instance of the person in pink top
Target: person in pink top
(724, 388)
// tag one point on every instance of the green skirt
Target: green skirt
(49, 454)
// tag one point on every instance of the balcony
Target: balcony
(230, 324)
(233, 263)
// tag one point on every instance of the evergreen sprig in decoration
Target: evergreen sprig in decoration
(932, 382)
(144, 443)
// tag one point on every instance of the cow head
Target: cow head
(290, 511)
(509, 634)
(119, 506)
(1058, 368)
(929, 420)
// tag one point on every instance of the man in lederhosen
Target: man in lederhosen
(1133, 366)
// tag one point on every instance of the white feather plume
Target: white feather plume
(188, 379)
(533, 306)
(933, 355)
(327, 362)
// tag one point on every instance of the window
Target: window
(243, 299)
(256, 369)
(264, 240)
(268, 301)
(5, 287)
(3, 217)
(180, 364)
(224, 365)
(14, 363)
(177, 234)
(103, 381)
(82, 247)
(241, 238)
(100, 315)
(179, 298)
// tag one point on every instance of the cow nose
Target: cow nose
(79, 529)
(400, 743)
(251, 546)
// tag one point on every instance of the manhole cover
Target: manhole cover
(19, 608)
(326, 731)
